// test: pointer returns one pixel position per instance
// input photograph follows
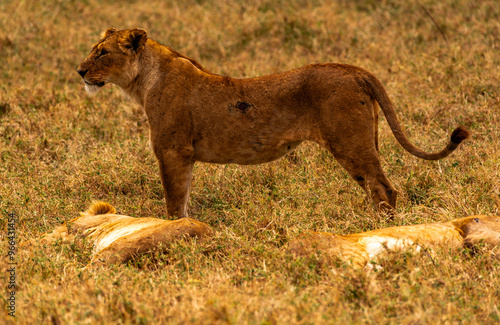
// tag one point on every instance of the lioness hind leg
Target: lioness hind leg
(176, 171)
(376, 186)
(363, 164)
(383, 194)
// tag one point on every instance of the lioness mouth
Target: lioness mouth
(99, 84)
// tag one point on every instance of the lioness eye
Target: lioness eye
(103, 52)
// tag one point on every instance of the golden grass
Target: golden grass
(61, 149)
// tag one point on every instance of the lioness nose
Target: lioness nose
(81, 72)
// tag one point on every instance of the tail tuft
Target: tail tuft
(98, 207)
(459, 135)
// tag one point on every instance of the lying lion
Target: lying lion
(361, 248)
(195, 115)
(117, 238)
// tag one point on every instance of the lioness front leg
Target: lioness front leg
(176, 171)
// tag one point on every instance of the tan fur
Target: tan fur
(360, 248)
(118, 238)
(195, 115)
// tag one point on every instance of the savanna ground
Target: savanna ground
(60, 149)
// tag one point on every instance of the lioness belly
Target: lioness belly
(242, 153)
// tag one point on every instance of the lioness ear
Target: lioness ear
(133, 41)
(108, 32)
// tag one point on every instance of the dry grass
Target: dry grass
(60, 149)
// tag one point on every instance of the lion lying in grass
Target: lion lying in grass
(361, 248)
(117, 238)
(195, 115)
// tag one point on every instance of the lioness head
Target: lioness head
(113, 59)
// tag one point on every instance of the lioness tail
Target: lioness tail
(458, 135)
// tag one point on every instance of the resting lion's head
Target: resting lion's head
(113, 59)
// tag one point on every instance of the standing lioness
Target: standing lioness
(195, 115)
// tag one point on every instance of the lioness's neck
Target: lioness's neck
(146, 75)
(154, 64)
